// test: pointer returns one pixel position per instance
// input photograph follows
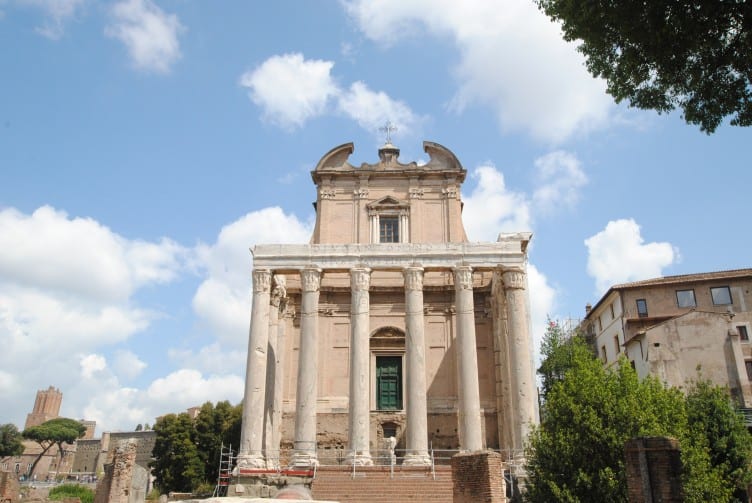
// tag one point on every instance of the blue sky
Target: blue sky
(146, 145)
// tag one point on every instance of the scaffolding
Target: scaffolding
(225, 471)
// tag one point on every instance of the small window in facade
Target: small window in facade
(642, 308)
(389, 229)
(721, 295)
(686, 298)
(604, 356)
(748, 365)
(617, 346)
(612, 311)
(743, 334)
(600, 325)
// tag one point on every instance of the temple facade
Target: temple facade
(389, 323)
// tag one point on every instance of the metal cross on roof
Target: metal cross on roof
(388, 128)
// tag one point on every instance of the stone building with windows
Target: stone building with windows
(389, 323)
(673, 326)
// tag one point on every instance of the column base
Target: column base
(303, 460)
(251, 462)
(417, 459)
(359, 458)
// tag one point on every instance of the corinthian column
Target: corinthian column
(467, 357)
(307, 389)
(360, 279)
(521, 361)
(273, 400)
(251, 435)
(417, 410)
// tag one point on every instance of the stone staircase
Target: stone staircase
(374, 484)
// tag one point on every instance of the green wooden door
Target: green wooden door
(389, 382)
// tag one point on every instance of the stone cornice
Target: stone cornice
(397, 256)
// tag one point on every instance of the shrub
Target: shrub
(83, 493)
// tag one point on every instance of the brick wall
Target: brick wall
(653, 470)
(478, 478)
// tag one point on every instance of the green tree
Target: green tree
(215, 426)
(667, 54)
(558, 349)
(10, 441)
(719, 430)
(577, 454)
(177, 465)
(56, 431)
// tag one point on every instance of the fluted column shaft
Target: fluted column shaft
(417, 410)
(471, 438)
(359, 410)
(251, 436)
(524, 391)
(307, 386)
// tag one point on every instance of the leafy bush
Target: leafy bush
(83, 493)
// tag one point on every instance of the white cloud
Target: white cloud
(149, 34)
(559, 178)
(127, 364)
(57, 13)
(66, 294)
(512, 59)
(215, 358)
(91, 365)
(619, 254)
(372, 110)
(223, 300)
(542, 305)
(492, 208)
(290, 89)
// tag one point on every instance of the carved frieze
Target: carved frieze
(261, 280)
(328, 193)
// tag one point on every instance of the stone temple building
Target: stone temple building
(389, 323)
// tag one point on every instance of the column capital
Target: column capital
(261, 280)
(463, 277)
(360, 278)
(413, 277)
(514, 278)
(310, 279)
(279, 292)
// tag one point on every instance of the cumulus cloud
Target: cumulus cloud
(619, 254)
(57, 13)
(492, 208)
(542, 305)
(290, 89)
(372, 110)
(559, 178)
(127, 364)
(91, 365)
(66, 292)
(150, 35)
(223, 299)
(512, 60)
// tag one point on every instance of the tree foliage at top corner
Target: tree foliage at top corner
(695, 55)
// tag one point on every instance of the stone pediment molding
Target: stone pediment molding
(441, 160)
